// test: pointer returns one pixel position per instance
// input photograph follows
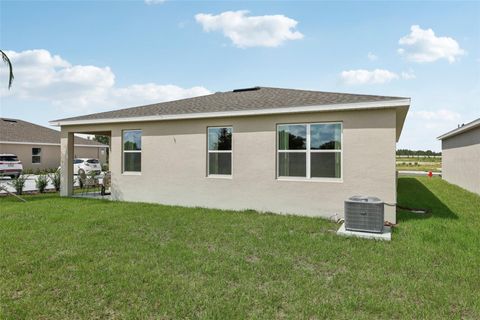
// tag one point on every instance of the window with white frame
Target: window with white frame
(312, 150)
(219, 160)
(132, 150)
(36, 155)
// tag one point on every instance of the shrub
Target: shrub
(41, 182)
(19, 183)
(39, 171)
(56, 177)
(49, 170)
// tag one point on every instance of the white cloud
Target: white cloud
(41, 76)
(150, 2)
(408, 75)
(377, 76)
(422, 45)
(150, 92)
(438, 115)
(251, 31)
(361, 76)
(372, 56)
(422, 127)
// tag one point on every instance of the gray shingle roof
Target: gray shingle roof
(15, 130)
(258, 98)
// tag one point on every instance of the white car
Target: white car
(87, 165)
(10, 165)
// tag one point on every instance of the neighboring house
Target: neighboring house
(461, 156)
(39, 147)
(268, 149)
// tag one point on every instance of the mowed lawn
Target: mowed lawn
(63, 258)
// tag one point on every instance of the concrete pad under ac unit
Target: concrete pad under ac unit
(386, 235)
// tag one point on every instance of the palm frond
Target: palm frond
(7, 62)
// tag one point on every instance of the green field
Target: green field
(419, 163)
(70, 258)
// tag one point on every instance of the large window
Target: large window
(36, 155)
(132, 150)
(309, 150)
(219, 151)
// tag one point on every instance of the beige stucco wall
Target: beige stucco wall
(461, 160)
(50, 156)
(174, 168)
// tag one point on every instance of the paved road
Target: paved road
(417, 173)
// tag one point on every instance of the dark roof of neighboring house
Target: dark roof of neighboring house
(15, 130)
(461, 129)
(256, 98)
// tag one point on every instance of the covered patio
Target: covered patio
(67, 156)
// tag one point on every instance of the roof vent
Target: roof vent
(9, 120)
(246, 89)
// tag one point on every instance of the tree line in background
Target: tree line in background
(408, 152)
(102, 139)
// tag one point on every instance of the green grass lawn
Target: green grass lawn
(79, 258)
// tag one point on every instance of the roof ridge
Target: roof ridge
(237, 100)
(333, 92)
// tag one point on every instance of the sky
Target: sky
(76, 57)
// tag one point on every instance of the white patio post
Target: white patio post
(66, 163)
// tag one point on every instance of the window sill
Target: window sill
(219, 176)
(131, 173)
(297, 179)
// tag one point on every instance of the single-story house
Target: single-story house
(39, 147)
(268, 149)
(461, 156)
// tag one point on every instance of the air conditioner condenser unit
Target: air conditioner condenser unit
(364, 214)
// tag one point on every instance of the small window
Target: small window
(132, 150)
(309, 150)
(219, 151)
(36, 155)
